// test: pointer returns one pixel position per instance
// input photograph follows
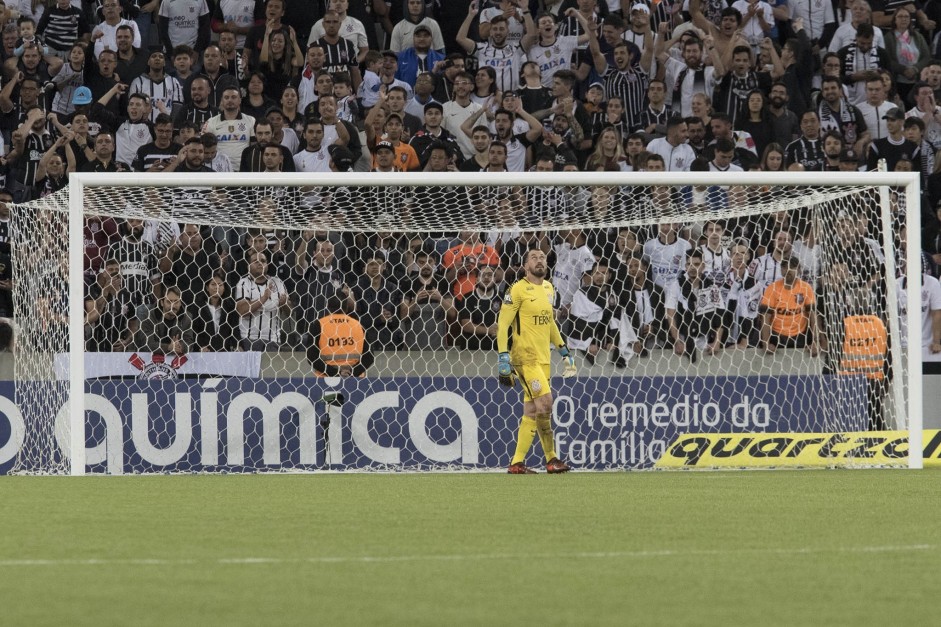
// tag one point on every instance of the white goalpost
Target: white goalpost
(663, 280)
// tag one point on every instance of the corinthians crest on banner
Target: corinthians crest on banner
(160, 367)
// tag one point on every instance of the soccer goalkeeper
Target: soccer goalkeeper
(527, 310)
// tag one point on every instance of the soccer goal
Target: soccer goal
(178, 324)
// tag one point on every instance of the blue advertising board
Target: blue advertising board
(250, 425)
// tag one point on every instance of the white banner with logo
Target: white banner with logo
(158, 366)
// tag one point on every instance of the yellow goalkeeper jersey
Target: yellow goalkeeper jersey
(527, 311)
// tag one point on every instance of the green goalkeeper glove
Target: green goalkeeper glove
(569, 369)
(505, 371)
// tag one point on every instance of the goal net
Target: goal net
(196, 324)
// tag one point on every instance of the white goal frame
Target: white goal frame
(909, 181)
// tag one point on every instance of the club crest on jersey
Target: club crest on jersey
(508, 298)
(535, 386)
(158, 368)
(799, 298)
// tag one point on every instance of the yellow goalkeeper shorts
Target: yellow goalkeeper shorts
(535, 380)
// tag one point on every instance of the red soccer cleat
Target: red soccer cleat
(555, 466)
(519, 469)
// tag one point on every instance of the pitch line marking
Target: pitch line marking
(366, 559)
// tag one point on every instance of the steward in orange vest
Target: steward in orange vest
(865, 343)
(338, 344)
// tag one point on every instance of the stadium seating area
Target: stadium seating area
(453, 85)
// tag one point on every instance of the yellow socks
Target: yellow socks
(525, 439)
(544, 427)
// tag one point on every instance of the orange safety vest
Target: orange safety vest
(342, 341)
(864, 347)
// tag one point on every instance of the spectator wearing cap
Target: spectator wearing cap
(418, 58)
(340, 54)
(433, 134)
(594, 98)
(405, 158)
(638, 31)
(350, 28)
(505, 56)
(165, 92)
(893, 147)
(415, 16)
(388, 71)
(384, 158)
(422, 95)
(849, 160)
(341, 159)
(81, 97)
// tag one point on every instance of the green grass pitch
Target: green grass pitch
(855, 548)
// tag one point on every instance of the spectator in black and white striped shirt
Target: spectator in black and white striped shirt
(259, 300)
(61, 26)
(625, 80)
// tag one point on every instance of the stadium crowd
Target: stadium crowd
(455, 85)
